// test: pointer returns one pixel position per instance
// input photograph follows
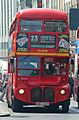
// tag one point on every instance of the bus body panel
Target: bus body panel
(41, 14)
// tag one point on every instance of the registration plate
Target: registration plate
(42, 104)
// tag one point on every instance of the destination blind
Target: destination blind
(43, 41)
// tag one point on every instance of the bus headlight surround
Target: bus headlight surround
(62, 92)
(21, 91)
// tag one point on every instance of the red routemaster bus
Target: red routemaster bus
(38, 60)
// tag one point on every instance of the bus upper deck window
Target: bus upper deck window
(31, 25)
(55, 26)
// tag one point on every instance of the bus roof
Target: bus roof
(41, 13)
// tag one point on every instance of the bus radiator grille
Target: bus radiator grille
(48, 94)
(36, 94)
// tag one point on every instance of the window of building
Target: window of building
(2, 45)
(39, 3)
(5, 45)
(47, 3)
(29, 3)
(23, 3)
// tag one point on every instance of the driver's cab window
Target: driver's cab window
(50, 67)
(54, 66)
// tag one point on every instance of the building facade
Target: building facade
(8, 8)
(54, 4)
(68, 5)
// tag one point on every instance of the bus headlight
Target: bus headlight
(21, 91)
(62, 92)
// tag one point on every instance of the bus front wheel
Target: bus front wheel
(16, 105)
(78, 96)
(78, 104)
(65, 106)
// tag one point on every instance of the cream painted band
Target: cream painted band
(34, 53)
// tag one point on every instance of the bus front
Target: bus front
(41, 62)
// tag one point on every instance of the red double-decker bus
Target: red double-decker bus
(38, 62)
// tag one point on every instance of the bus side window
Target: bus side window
(13, 27)
(13, 65)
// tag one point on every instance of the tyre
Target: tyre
(65, 106)
(78, 96)
(78, 104)
(53, 108)
(16, 105)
